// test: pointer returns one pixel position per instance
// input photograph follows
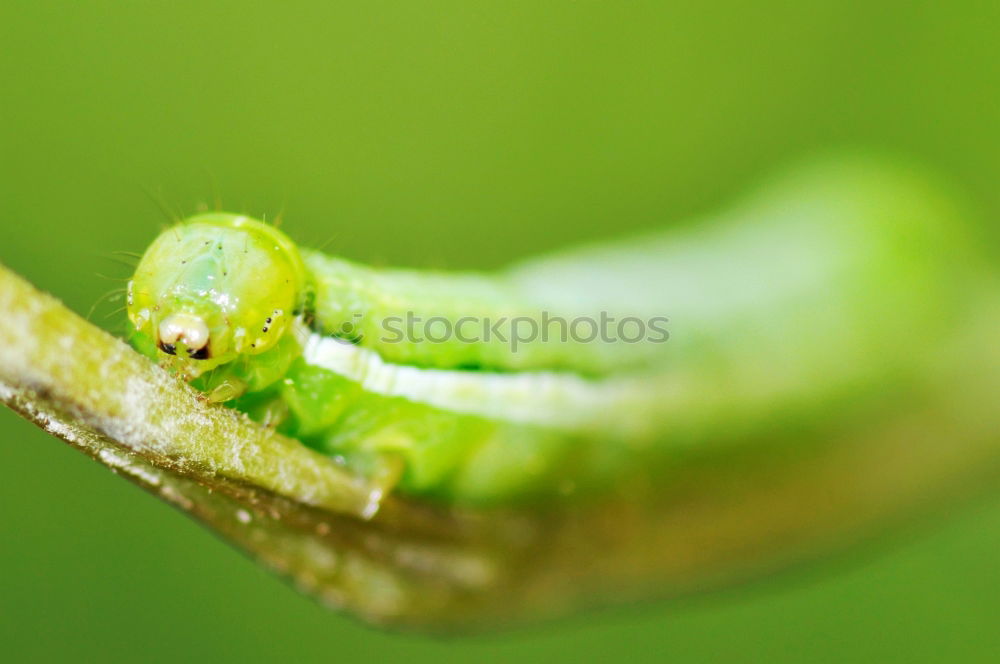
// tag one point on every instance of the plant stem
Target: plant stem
(418, 565)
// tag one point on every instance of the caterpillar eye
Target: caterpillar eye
(199, 353)
(169, 349)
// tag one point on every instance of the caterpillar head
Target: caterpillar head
(213, 288)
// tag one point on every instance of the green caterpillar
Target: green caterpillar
(816, 300)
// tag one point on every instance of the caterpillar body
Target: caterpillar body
(811, 303)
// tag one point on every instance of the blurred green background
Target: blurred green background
(450, 134)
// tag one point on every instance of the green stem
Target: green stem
(302, 516)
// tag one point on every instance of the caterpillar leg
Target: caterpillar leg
(229, 388)
(275, 413)
(386, 472)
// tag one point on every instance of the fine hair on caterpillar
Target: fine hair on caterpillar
(214, 288)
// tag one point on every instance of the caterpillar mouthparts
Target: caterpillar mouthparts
(187, 328)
